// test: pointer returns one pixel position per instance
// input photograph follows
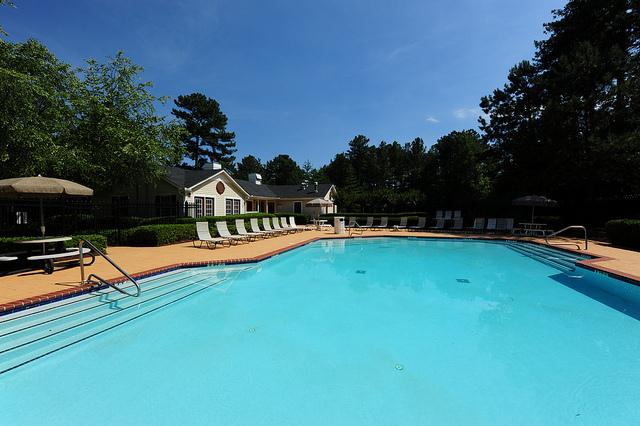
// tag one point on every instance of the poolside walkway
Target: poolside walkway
(29, 287)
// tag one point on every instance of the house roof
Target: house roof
(186, 178)
(284, 191)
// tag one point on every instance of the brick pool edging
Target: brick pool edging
(22, 304)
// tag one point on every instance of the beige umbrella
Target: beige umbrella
(320, 202)
(41, 187)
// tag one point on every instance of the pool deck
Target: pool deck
(21, 290)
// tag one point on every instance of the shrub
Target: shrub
(624, 232)
(157, 235)
(100, 241)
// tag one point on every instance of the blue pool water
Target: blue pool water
(348, 332)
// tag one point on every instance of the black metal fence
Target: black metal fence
(21, 217)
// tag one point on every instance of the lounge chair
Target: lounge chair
(457, 214)
(266, 224)
(286, 226)
(384, 222)
(223, 231)
(204, 236)
(505, 225)
(458, 222)
(447, 215)
(292, 223)
(439, 214)
(241, 230)
(478, 224)
(422, 223)
(256, 228)
(439, 224)
(277, 227)
(491, 224)
(352, 223)
(369, 223)
(402, 225)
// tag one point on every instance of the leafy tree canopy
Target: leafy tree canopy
(282, 170)
(207, 137)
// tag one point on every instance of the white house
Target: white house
(211, 191)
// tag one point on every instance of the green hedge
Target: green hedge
(624, 232)
(155, 235)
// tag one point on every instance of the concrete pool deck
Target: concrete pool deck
(20, 290)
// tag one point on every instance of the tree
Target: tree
(207, 137)
(455, 169)
(248, 164)
(282, 170)
(36, 115)
(118, 139)
(566, 123)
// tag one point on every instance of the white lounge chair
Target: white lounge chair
(277, 227)
(439, 214)
(287, 227)
(478, 224)
(491, 224)
(266, 224)
(458, 222)
(223, 231)
(352, 223)
(256, 228)
(369, 223)
(422, 223)
(439, 224)
(241, 230)
(457, 214)
(384, 222)
(402, 225)
(447, 215)
(292, 223)
(504, 224)
(204, 236)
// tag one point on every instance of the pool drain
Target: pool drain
(463, 280)
(360, 271)
(252, 329)
(399, 367)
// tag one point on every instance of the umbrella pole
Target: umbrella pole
(533, 210)
(42, 229)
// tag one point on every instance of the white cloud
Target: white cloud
(431, 119)
(465, 113)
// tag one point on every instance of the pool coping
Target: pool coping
(23, 304)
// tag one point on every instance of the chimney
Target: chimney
(255, 178)
(212, 166)
(304, 184)
(316, 185)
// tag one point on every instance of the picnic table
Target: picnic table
(50, 258)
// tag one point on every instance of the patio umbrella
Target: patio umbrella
(42, 187)
(533, 201)
(319, 202)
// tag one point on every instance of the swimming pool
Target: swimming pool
(366, 331)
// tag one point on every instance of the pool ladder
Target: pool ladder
(95, 279)
(586, 240)
(355, 229)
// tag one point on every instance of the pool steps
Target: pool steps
(33, 333)
(561, 260)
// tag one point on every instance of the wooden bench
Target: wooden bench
(71, 253)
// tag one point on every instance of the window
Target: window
(232, 206)
(208, 207)
(199, 206)
(297, 206)
(249, 206)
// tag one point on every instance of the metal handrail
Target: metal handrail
(586, 241)
(355, 225)
(102, 280)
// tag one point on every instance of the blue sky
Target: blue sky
(304, 77)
